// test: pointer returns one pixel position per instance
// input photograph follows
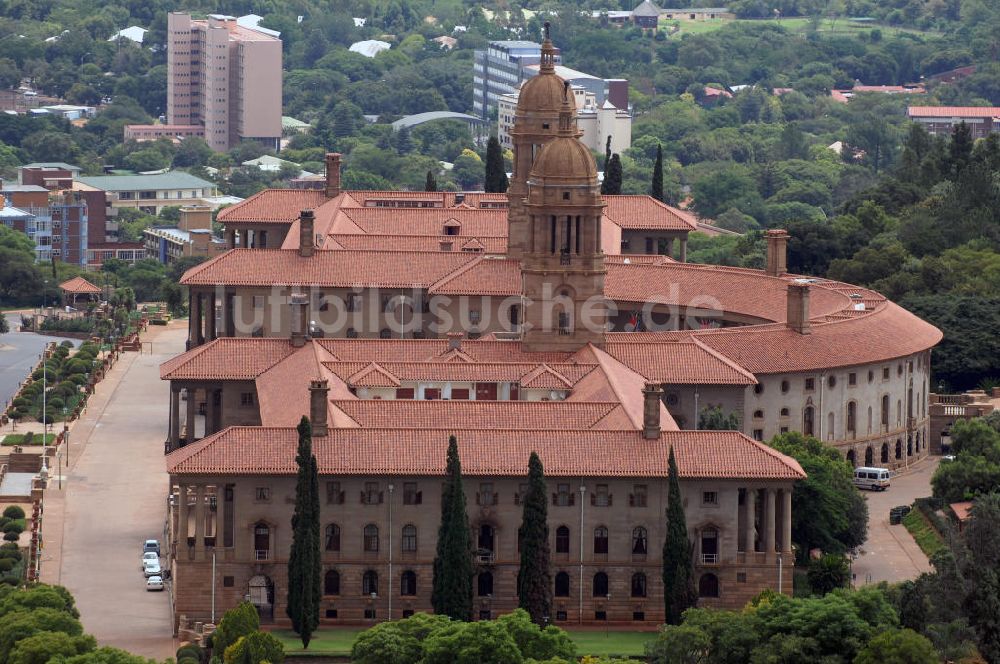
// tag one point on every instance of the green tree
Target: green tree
(714, 418)
(678, 573)
(828, 513)
(534, 578)
(981, 537)
(255, 648)
(679, 644)
(484, 642)
(656, 188)
(827, 573)
(105, 655)
(612, 184)
(430, 184)
(237, 622)
(398, 641)
(496, 173)
(452, 590)
(42, 647)
(898, 646)
(304, 566)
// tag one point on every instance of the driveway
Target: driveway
(19, 353)
(113, 498)
(890, 554)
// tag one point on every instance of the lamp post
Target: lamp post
(390, 580)
(607, 618)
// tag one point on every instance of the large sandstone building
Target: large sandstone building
(551, 319)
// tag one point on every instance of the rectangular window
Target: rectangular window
(410, 494)
(562, 496)
(852, 378)
(334, 496)
(710, 498)
(228, 581)
(885, 373)
(758, 434)
(810, 383)
(262, 494)
(639, 496)
(522, 491)
(371, 495)
(486, 495)
(741, 577)
(246, 399)
(601, 496)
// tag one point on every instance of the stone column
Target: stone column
(786, 520)
(193, 315)
(230, 238)
(182, 522)
(769, 507)
(227, 314)
(210, 316)
(220, 516)
(175, 416)
(748, 506)
(189, 436)
(199, 522)
(670, 247)
(684, 250)
(209, 411)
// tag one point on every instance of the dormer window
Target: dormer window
(451, 230)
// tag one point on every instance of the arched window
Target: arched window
(808, 420)
(758, 414)
(784, 386)
(562, 539)
(899, 411)
(708, 586)
(600, 584)
(899, 449)
(885, 411)
(638, 585)
(852, 417)
(331, 582)
(333, 537)
(885, 452)
(869, 456)
(851, 459)
(909, 446)
(409, 539)
(369, 583)
(784, 412)
(408, 583)
(639, 540)
(829, 425)
(869, 419)
(562, 584)
(485, 584)
(600, 539)
(371, 537)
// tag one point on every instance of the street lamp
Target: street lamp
(607, 618)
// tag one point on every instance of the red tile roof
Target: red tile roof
(647, 213)
(953, 111)
(421, 452)
(355, 241)
(390, 373)
(418, 414)
(273, 206)
(229, 358)
(680, 362)
(79, 285)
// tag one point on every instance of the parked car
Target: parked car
(154, 583)
(948, 457)
(151, 545)
(151, 568)
(148, 556)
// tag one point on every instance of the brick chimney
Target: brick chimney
(777, 251)
(307, 233)
(332, 174)
(798, 307)
(455, 340)
(318, 391)
(299, 302)
(651, 394)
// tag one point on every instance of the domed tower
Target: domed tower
(535, 123)
(562, 270)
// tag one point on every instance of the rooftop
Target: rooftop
(953, 111)
(171, 180)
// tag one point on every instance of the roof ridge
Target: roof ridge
(724, 358)
(454, 274)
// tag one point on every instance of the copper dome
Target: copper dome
(543, 93)
(564, 157)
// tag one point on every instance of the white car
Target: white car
(149, 556)
(154, 583)
(151, 568)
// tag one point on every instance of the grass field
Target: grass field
(338, 641)
(829, 26)
(923, 533)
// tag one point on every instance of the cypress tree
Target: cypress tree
(431, 183)
(607, 152)
(534, 580)
(656, 189)
(496, 174)
(304, 590)
(451, 594)
(612, 184)
(678, 572)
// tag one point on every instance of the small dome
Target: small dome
(543, 93)
(564, 157)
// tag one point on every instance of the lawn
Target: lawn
(928, 539)
(18, 439)
(338, 641)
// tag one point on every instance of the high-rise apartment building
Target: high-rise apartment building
(225, 78)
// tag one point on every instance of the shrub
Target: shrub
(11, 536)
(6, 564)
(188, 660)
(828, 573)
(11, 551)
(13, 512)
(66, 344)
(13, 527)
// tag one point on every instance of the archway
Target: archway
(869, 456)
(708, 586)
(899, 449)
(885, 453)
(851, 459)
(261, 592)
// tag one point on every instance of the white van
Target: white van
(876, 479)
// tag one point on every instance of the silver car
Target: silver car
(151, 568)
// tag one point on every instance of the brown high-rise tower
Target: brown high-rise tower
(562, 268)
(535, 123)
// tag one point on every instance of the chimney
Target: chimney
(447, 245)
(777, 245)
(332, 174)
(299, 303)
(318, 391)
(459, 199)
(651, 394)
(455, 340)
(307, 230)
(798, 307)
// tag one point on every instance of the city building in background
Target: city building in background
(941, 120)
(150, 193)
(191, 237)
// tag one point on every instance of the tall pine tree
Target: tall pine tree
(678, 571)
(304, 590)
(496, 174)
(607, 152)
(656, 189)
(451, 594)
(534, 590)
(612, 184)
(431, 183)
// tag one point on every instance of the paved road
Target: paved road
(890, 554)
(19, 352)
(113, 499)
